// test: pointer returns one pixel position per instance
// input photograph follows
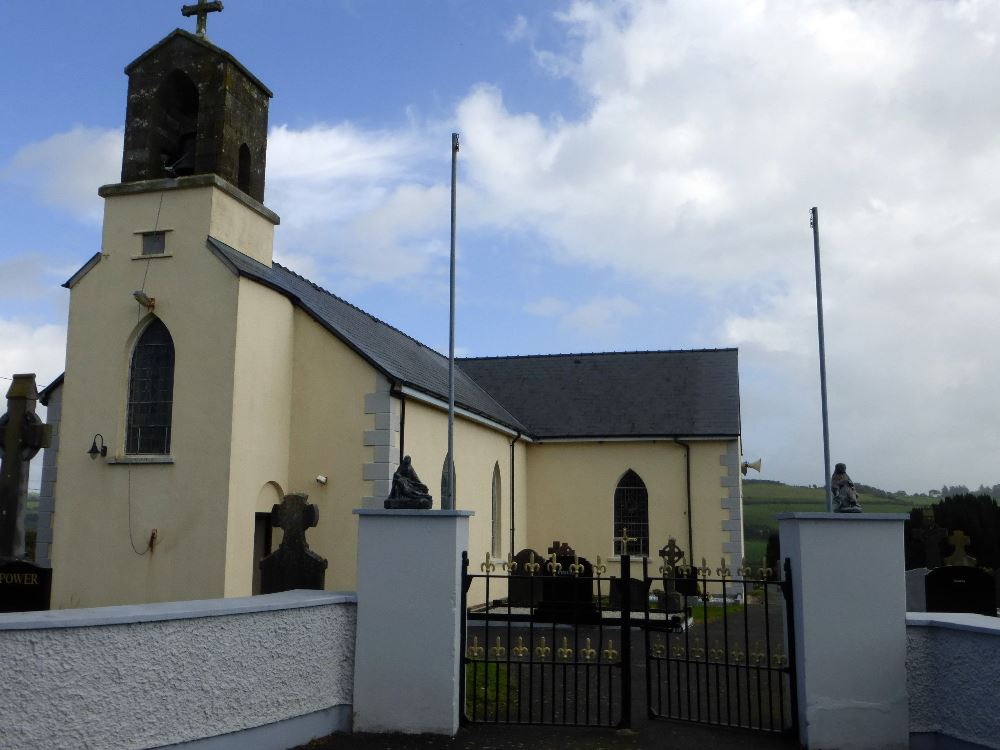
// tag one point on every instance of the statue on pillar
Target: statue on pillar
(845, 496)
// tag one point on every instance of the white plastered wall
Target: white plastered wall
(103, 503)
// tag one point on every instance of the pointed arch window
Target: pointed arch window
(632, 513)
(150, 392)
(497, 524)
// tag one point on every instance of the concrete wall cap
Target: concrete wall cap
(408, 512)
(954, 621)
(841, 516)
(162, 611)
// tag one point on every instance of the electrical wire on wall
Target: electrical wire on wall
(138, 317)
(131, 540)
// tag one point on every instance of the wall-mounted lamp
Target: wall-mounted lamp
(321, 479)
(96, 451)
(144, 299)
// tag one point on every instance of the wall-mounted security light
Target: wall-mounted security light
(322, 479)
(96, 450)
(144, 299)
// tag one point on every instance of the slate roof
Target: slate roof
(628, 394)
(389, 350)
(687, 393)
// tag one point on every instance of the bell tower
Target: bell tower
(194, 109)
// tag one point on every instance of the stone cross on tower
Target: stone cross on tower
(202, 9)
(293, 565)
(22, 435)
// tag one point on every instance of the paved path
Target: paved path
(659, 735)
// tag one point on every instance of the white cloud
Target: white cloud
(40, 349)
(354, 202)
(600, 319)
(66, 169)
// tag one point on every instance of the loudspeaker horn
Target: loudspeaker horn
(747, 465)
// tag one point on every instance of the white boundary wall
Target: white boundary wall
(953, 670)
(264, 672)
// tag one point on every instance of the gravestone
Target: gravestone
(568, 590)
(524, 587)
(960, 588)
(293, 565)
(916, 590)
(959, 541)
(24, 586)
(638, 593)
(672, 600)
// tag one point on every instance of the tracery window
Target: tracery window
(632, 513)
(150, 392)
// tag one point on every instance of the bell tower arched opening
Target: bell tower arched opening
(178, 100)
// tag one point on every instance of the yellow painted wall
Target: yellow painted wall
(477, 449)
(329, 383)
(196, 297)
(262, 409)
(241, 227)
(571, 488)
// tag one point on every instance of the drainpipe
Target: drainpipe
(687, 459)
(516, 438)
(402, 425)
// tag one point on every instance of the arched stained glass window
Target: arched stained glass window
(632, 513)
(150, 392)
(497, 508)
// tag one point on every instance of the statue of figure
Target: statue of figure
(844, 494)
(407, 489)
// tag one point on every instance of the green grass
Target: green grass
(714, 611)
(486, 689)
(762, 501)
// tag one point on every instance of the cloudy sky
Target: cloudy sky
(633, 175)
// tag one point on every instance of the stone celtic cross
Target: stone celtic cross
(960, 556)
(22, 435)
(293, 565)
(202, 9)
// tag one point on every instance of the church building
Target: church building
(209, 381)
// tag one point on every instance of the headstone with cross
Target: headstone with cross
(568, 590)
(293, 565)
(201, 9)
(23, 435)
(23, 585)
(672, 554)
(959, 556)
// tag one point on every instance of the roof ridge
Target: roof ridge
(601, 354)
(351, 305)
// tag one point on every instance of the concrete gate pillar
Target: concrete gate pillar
(850, 628)
(407, 666)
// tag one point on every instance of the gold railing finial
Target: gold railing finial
(610, 653)
(488, 566)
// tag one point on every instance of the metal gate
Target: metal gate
(549, 641)
(724, 653)
(544, 644)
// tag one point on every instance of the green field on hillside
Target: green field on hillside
(762, 500)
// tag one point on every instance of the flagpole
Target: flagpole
(814, 223)
(448, 498)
